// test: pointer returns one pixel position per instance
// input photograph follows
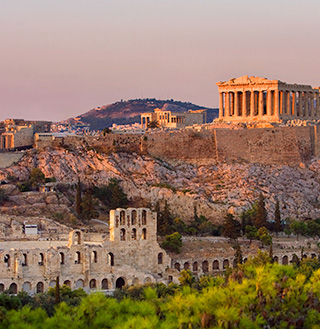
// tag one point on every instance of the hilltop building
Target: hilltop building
(258, 99)
(174, 120)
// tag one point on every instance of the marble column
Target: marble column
(269, 103)
(276, 103)
(288, 107)
(312, 104)
(236, 104)
(294, 104)
(300, 114)
(227, 109)
(252, 103)
(220, 105)
(260, 111)
(244, 103)
(306, 104)
(231, 103)
(317, 105)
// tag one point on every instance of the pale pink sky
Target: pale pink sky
(62, 58)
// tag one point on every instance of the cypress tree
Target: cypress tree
(57, 291)
(261, 217)
(238, 255)
(277, 219)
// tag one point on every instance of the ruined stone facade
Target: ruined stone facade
(131, 256)
(258, 99)
(174, 120)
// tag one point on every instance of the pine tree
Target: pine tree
(238, 255)
(231, 227)
(277, 219)
(261, 217)
(78, 198)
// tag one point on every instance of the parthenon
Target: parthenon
(259, 99)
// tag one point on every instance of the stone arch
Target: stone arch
(52, 283)
(122, 234)
(7, 260)
(134, 234)
(122, 217)
(225, 263)
(39, 287)
(104, 284)
(61, 258)
(24, 260)
(94, 256)
(41, 259)
(75, 238)
(77, 259)
(285, 260)
(215, 265)
(295, 259)
(160, 258)
(135, 281)
(79, 284)
(1, 287)
(195, 267)
(144, 234)
(276, 259)
(177, 266)
(110, 259)
(144, 217)
(205, 266)
(67, 283)
(186, 266)
(120, 282)
(26, 286)
(133, 217)
(147, 280)
(93, 284)
(313, 256)
(13, 289)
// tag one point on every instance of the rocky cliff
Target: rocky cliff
(213, 189)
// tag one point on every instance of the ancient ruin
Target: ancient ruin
(175, 120)
(258, 99)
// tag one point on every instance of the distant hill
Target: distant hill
(128, 112)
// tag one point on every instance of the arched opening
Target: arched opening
(120, 283)
(144, 217)
(313, 256)
(244, 260)
(215, 265)
(13, 289)
(67, 283)
(61, 258)
(135, 281)
(160, 258)
(110, 259)
(94, 256)
(205, 266)
(104, 284)
(147, 280)
(24, 260)
(144, 234)
(134, 217)
(52, 284)
(93, 284)
(77, 238)
(225, 263)
(285, 260)
(7, 260)
(134, 234)
(41, 259)
(276, 259)
(26, 287)
(77, 258)
(122, 234)
(186, 266)
(295, 259)
(40, 287)
(79, 284)
(1, 287)
(177, 266)
(195, 267)
(122, 217)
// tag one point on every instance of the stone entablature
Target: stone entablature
(258, 99)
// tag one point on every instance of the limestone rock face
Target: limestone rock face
(213, 190)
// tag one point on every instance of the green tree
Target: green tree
(231, 227)
(261, 216)
(186, 278)
(251, 232)
(313, 229)
(264, 236)
(165, 220)
(277, 219)
(238, 255)
(87, 206)
(298, 228)
(173, 242)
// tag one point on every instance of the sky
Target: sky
(61, 58)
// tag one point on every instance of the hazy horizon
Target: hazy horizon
(61, 59)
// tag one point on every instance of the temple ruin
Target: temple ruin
(258, 99)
